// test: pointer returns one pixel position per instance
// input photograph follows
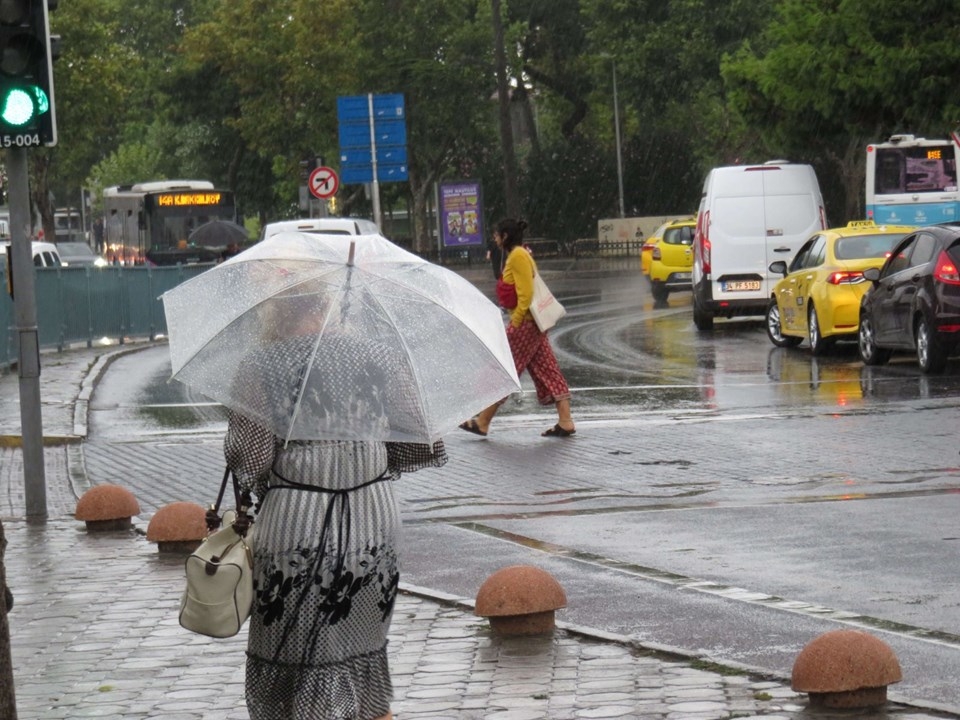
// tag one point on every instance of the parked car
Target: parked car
(749, 216)
(44, 254)
(819, 295)
(79, 254)
(671, 260)
(646, 250)
(327, 226)
(914, 301)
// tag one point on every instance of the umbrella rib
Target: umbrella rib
(306, 374)
(426, 297)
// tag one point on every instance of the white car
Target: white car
(327, 226)
(44, 254)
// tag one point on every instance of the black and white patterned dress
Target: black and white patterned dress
(325, 573)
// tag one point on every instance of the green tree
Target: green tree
(825, 78)
(438, 54)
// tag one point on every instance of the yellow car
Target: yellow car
(646, 250)
(819, 295)
(671, 259)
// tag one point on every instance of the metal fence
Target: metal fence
(86, 305)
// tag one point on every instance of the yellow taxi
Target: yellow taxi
(818, 298)
(646, 250)
(671, 259)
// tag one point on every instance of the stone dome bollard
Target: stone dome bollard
(845, 669)
(179, 527)
(520, 600)
(107, 507)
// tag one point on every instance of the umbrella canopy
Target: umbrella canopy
(219, 233)
(328, 337)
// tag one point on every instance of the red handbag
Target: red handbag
(506, 294)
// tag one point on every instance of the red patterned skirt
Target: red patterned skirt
(532, 352)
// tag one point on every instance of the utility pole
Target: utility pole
(25, 313)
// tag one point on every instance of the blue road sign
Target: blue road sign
(389, 136)
(356, 108)
(385, 155)
(354, 174)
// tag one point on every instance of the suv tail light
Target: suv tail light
(845, 277)
(946, 270)
(656, 252)
(823, 218)
(703, 240)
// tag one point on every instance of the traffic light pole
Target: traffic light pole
(25, 312)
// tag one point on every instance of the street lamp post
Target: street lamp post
(616, 124)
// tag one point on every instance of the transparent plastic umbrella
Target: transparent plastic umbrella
(340, 338)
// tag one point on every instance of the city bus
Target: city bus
(912, 181)
(151, 222)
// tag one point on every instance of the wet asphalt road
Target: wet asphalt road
(722, 496)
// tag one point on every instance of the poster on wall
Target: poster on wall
(461, 213)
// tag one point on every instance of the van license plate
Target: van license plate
(741, 285)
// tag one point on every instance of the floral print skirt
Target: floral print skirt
(325, 551)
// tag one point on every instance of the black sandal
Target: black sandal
(471, 427)
(558, 431)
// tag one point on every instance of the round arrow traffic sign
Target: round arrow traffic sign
(323, 183)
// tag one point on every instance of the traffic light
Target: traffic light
(27, 116)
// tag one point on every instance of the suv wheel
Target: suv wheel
(818, 344)
(774, 331)
(931, 354)
(867, 343)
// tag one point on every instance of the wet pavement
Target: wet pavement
(94, 629)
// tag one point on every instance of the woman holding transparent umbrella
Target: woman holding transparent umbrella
(325, 548)
(341, 366)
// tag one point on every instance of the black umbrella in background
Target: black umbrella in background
(219, 234)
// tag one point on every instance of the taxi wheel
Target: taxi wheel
(660, 292)
(867, 343)
(819, 345)
(774, 331)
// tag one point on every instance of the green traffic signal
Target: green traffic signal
(17, 108)
(20, 105)
(27, 115)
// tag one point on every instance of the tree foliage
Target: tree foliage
(241, 92)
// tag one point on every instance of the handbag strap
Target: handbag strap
(243, 500)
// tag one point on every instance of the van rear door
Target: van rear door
(790, 211)
(737, 226)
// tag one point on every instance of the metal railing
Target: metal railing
(87, 305)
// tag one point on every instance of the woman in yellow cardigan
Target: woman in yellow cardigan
(531, 348)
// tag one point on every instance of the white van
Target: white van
(749, 216)
(327, 226)
(44, 254)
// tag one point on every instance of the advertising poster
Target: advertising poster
(461, 211)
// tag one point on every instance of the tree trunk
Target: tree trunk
(39, 163)
(506, 129)
(8, 705)
(420, 189)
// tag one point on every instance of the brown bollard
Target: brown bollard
(107, 507)
(179, 527)
(846, 669)
(520, 600)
